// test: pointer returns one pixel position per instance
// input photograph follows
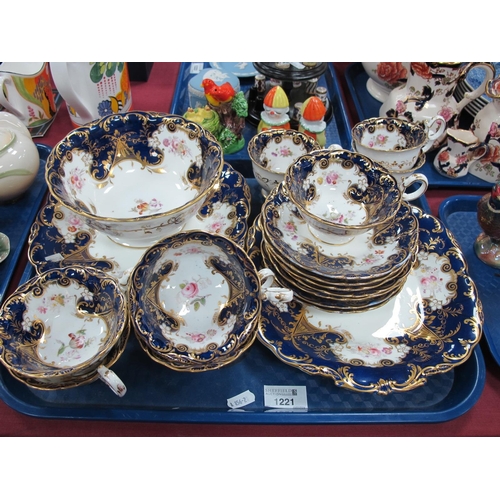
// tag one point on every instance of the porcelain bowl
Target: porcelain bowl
(341, 194)
(273, 151)
(135, 176)
(194, 301)
(60, 327)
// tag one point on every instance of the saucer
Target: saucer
(367, 256)
(429, 327)
(58, 238)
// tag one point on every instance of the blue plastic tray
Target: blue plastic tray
(459, 214)
(16, 219)
(157, 394)
(368, 107)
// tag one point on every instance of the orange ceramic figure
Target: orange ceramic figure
(276, 107)
(312, 114)
(217, 94)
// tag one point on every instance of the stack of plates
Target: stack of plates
(361, 274)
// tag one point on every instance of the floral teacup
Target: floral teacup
(273, 151)
(395, 144)
(195, 300)
(60, 328)
(341, 194)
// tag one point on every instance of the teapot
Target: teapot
(486, 127)
(19, 158)
(428, 92)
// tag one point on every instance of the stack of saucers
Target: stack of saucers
(335, 264)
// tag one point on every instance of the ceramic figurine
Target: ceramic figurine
(276, 107)
(206, 117)
(487, 244)
(232, 108)
(312, 121)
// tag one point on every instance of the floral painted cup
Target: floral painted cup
(195, 300)
(60, 328)
(273, 151)
(461, 149)
(341, 194)
(393, 143)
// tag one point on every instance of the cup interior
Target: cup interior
(389, 135)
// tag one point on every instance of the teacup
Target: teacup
(396, 144)
(272, 151)
(461, 149)
(195, 301)
(64, 328)
(341, 194)
(26, 92)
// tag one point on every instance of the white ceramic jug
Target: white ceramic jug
(92, 90)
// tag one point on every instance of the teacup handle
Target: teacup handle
(276, 295)
(432, 135)
(408, 181)
(111, 379)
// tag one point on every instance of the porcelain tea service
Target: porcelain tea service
(486, 127)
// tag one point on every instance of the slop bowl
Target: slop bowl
(135, 176)
(341, 194)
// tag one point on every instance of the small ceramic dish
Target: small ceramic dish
(273, 151)
(341, 194)
(59, 327)
(195, 298)
(135, 176)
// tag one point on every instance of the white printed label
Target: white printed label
(196, 67)
(243, 399)
(285, 396)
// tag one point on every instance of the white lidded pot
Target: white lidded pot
(19, 158)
